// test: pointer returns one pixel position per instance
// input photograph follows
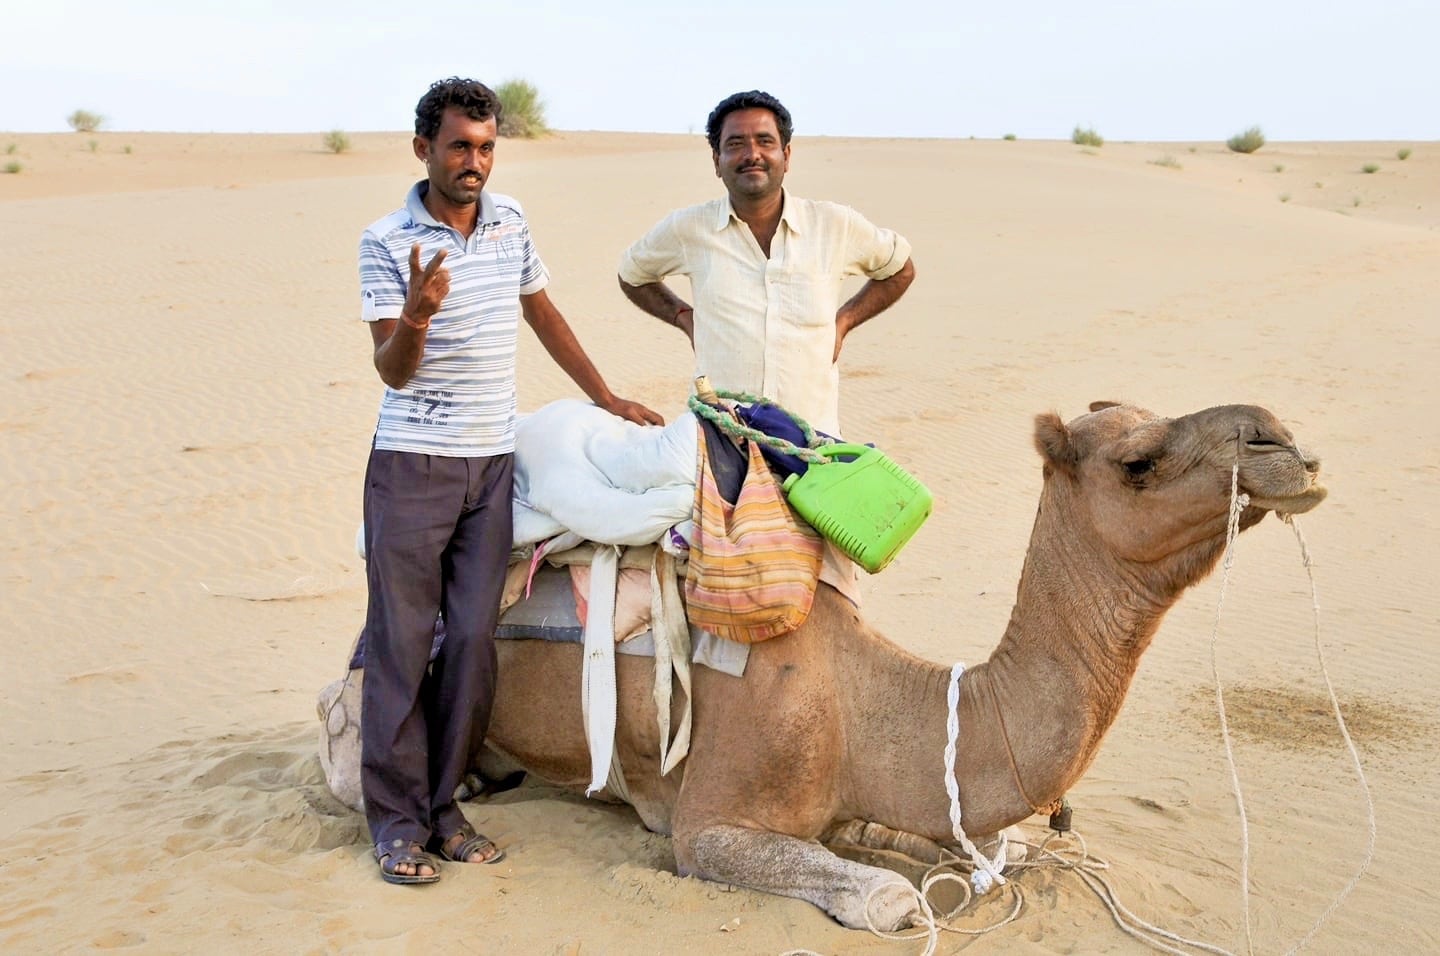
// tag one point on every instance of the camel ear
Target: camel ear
(1100, 406)
(1052, 441)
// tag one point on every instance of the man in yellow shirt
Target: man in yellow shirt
(765, 269)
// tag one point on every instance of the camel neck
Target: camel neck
(1031, 716)
(1060, 674)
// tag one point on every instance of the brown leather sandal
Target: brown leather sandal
(397, 853)
(470, 844)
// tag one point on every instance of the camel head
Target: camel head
(1155, 492)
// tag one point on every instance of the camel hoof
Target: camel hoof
(1016, 850)
(892, 907)
(338, 707)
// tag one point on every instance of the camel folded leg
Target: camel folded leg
(873, 836)
(787, 866)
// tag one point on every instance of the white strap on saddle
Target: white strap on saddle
(671, 632)
(672, 651)
(597, 682)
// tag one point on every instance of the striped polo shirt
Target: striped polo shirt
(461, 401)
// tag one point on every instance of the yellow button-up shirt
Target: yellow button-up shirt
(767, 326)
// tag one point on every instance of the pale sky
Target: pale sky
(1157, 70)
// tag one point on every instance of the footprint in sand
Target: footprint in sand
(119, 939)
(115, 677)
(46, 374)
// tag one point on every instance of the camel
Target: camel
(833, 724)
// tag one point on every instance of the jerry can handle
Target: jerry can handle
(836, 450)
(843, 448)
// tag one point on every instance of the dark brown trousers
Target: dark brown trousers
(437, 540)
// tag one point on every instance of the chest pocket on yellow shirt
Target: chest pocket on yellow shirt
(805, 295)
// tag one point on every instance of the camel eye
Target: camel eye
(1139, 469)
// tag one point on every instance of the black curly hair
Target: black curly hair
(477, 100)
(753, 99)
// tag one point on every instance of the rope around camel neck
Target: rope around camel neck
(987, 872)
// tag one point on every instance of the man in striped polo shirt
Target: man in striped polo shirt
(444, 281)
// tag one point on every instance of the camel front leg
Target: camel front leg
(787, 866)
(872, 836)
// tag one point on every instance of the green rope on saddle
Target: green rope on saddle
(731, 425)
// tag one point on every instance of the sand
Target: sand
(186, 399)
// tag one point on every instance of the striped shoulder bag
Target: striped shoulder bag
(753, 565)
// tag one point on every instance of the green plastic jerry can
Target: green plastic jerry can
(862, 501)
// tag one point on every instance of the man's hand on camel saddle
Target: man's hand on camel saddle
(634, 412)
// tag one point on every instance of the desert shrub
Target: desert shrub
(1086, 137)
(93, 145)
(13, 166)
(10, 148)
(84, 121)
(523, 112)
(1008, 136)
(1370, 168)
(337, 141)
(1279, 167)
(1403, 153)
(1246, 142)
(129, 149)
(1284, 197)
(1167, 160)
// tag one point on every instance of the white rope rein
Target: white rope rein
(1238, 502)
(1294, 523)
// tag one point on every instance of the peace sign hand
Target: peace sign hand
(428, 288)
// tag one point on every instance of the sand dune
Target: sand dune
(185, 407)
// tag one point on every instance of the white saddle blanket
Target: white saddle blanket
(580, 469)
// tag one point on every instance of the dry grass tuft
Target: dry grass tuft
(1246, 142)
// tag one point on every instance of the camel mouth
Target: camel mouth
(1291, 504)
